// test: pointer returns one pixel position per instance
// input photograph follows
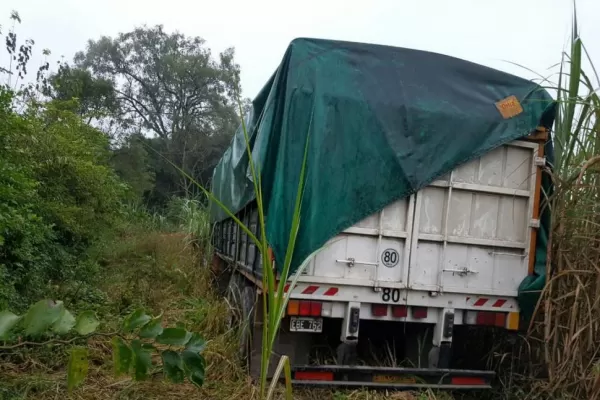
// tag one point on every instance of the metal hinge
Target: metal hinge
(460, 271)
(540, 161)
(534, 223)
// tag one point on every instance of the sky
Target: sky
(531, 33)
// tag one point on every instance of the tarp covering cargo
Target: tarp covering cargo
(382, 122)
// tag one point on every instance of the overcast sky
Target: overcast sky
(529, 32)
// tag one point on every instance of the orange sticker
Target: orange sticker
(509, 107)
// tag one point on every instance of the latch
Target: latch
(540, 161)
(460, 271)
(351, 262)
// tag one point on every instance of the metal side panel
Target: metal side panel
(374, 251)
(472, 227)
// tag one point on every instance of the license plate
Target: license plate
(300, 324)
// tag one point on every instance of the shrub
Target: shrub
(58, 195)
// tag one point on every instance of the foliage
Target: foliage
(96, 96)
(133, 345)
(58, 194)
(189, 215)
(46, 318)
(24, 236)
(170, 83)
(165, 85)
(132, 163)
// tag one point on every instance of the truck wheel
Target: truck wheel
(248, 305)
(233, 298)
(346, 354)
(241, 299)
(433, 357)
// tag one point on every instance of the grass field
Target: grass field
(162, 272)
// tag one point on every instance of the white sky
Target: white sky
(529, 32)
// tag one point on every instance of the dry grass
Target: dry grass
(162, 273)
(568, 325)
(566, 335)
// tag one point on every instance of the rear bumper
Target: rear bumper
(391, 378)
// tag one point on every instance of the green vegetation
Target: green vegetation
(95, 211)
(58, 197)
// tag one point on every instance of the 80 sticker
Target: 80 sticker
(390, 257)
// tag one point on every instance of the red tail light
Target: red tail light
(419, 312)
(304, 308)
(467, 380)
(313, 376)
(379, 310)
(315, 308)
(310, 308)
(399, 311)
(489, 318)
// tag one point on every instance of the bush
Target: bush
(58, 196)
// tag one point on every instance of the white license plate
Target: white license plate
(301, 324)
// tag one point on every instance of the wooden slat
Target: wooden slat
(536, 202)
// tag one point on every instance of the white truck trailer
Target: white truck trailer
(451, 254)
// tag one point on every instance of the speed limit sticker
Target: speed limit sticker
(390, 257)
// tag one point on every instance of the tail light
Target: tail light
(467, 380)
(315, 308)
(489, 318)
(379, 310)
(508, 320)
(399, 311)
(313, 376)
(293, 307)
(305, 308)
(419, 312)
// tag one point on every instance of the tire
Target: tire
(346, 354)
(241, 298)
(234, 300)
(246, 329)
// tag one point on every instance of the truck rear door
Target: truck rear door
(472, 227)
(374, 251)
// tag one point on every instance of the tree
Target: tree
(167, 83)
(169, 86)
(96, 96)
(131, 162)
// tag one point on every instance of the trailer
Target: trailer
(437, 245)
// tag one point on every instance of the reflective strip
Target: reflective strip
(499, 303)
(480, 302)
(488, 302)
(310, 290)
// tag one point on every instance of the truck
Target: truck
(422, 215)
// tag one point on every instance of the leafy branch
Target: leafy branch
(140, 336)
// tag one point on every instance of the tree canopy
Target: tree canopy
(166, 86)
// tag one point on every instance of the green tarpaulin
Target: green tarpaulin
(382, 123)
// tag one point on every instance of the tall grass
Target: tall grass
(274, 298)
(568, 315)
